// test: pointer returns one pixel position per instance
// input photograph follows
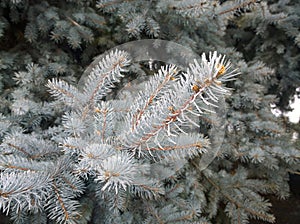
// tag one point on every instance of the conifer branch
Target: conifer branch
(239, 205)
(103, 76)
(20, 149)
(168, 74)
(238, 6)
(105, 3)
(66, 214)
(133, 151)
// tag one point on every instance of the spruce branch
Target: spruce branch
(62, 208)
(107, 141)
(238, 6)
(65, 92)
(105, 74)
(128, 156)
(239, 204)
(110, 5)
(23, 190)
(166, 110)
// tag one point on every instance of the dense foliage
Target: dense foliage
(106, 151)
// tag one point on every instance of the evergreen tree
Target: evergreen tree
(99, 152)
